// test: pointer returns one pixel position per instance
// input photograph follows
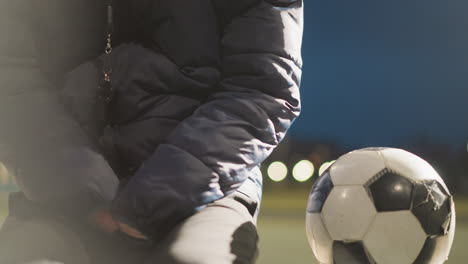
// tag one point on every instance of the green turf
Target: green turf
(283, 241)
(282, 232)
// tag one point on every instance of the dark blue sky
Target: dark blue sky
(375, 72)
(385, 72)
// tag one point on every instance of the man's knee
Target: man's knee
(240, 247)
(244, 244)
(222, 233)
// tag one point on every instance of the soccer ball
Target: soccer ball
(380, 205)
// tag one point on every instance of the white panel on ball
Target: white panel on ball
(395, 237)
(347, 213)
(319, 239)
(356, 167)
(410, 165)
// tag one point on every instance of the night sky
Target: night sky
(385, 72)
(376, 73)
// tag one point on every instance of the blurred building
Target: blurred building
(451, 164)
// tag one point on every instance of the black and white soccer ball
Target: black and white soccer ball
(380, 205)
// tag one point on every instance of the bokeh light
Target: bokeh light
(277, 171)
(325, 166)
(303, 170)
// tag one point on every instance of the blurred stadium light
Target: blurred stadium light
(277, 171)
(303, 170)
(325, 166)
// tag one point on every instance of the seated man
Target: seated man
(202, 92)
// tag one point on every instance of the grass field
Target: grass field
(282, 232)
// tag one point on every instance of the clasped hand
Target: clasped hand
(103, 220)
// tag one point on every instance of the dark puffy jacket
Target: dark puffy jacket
(205, 90)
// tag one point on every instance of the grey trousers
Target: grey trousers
(222, 233)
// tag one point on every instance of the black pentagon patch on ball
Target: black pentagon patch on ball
(350, 253)
(426, 253)
(432, 205)
(319, 193)
(390, 191)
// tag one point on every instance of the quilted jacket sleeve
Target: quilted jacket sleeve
(211, 153)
